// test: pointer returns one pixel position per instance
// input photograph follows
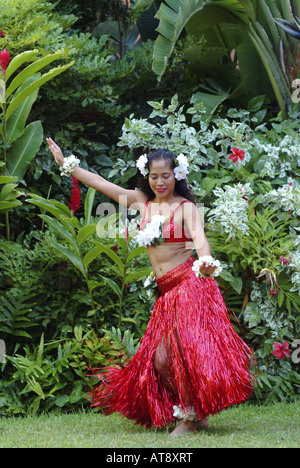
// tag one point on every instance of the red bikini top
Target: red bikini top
(172, 232)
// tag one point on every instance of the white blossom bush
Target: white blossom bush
(230, 214)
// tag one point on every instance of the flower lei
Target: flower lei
(181, 171)
(152, 233)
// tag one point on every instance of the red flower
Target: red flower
(2, 34)
(4, 60)
(237, 155)
(281, 350)
(284, 261)
(75, 201)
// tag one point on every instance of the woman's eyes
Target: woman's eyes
(165, 177)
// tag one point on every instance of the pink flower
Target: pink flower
(75, 201)
(281, 350)
(237, 155)
(4, 60)
(273, 292)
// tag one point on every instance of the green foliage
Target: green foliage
(57, 374)
(247, 28)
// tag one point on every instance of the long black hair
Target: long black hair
(181, 186)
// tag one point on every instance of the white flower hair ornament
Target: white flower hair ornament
(180, 171)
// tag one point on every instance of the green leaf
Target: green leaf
(30, 89)
(91, 255)
(7, 179)
(53, 206)
(16, 124)
(138, 274)
(92, 284)
(88, 204)
(58, 227)
(31, 70)
(114, 286)
(280, 297)
(85, 232)
(70, 256)
(17, 61)
(24, 150)
(135, 252)
(113, 256)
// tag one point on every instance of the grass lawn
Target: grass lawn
(276, 426)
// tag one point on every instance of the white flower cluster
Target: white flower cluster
(231, 212)
(179, 413)
(275, 155)
(141, 164)
(151, 232)
(136, 132)
(181, 171)
(286, 198)
(69, 164)
(208, 259)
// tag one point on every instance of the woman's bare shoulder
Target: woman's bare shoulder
(140, 199)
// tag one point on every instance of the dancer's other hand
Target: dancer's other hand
(207, 269)
(56, 151)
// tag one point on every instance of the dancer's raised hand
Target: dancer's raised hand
(56, 151)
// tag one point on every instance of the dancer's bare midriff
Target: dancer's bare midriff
(165, 257)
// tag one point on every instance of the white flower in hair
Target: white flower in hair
(181, 171)
(141, 163)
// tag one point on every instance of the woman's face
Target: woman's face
(161, 178)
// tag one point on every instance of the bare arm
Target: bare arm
(193, 220)
(122, 196)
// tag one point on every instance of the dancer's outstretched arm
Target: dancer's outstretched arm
(124, 197)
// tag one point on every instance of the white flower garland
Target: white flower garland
(152, 232)
(211, 261)
(181, 171)
(69, 164)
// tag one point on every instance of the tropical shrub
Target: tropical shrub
(59, 374)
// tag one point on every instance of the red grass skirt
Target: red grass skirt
(208, 360)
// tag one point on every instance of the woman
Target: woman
(191, 363)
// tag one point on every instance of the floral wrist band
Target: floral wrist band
(211, 261)
(69, 164)
(181, 171)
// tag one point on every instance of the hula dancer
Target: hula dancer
(191, 363)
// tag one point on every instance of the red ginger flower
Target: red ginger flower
(237, 155)
(75, 201)
(4, 60)
(281, 350)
